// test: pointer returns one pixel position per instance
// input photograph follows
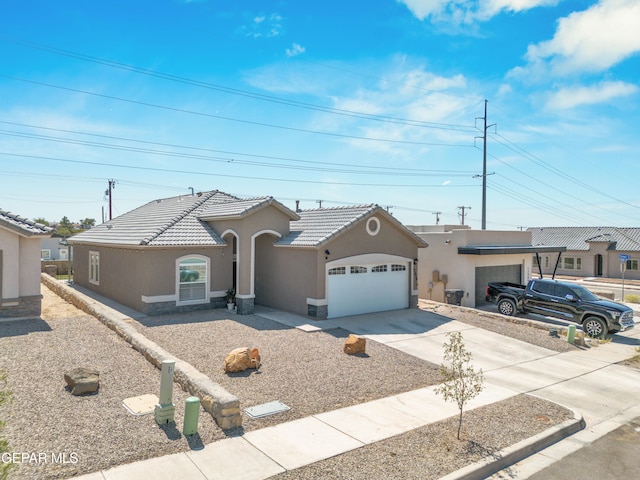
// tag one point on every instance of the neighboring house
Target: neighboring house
(591, 251)
(185, 252)
(20, 266)
(461, 262)
(54, 248)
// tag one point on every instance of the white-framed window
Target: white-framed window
(572, 263)
(398, 268)
(193, 272)
(357, 269)
(546, 262)
(632, 264)
(379, 269)
(94, 267)
(45, 254)
(338, 271)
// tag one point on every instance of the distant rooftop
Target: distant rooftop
(579, 238)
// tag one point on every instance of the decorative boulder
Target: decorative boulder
(83, 380)
(241, 359)
(355, 344)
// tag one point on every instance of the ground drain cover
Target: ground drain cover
(265, 409)
(142, 405)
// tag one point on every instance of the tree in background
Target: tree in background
(461, 382)
(65, 227)
(88, 222)
(41, 220)
(5, 396)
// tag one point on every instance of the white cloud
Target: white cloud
(295, 50)
(571, 97)
(468, 11)
(264, 26)
(593, 40)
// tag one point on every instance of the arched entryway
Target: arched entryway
(598, 268)
(265, 282)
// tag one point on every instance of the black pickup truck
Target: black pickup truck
(566, 301)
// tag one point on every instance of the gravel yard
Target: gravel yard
(306, 371)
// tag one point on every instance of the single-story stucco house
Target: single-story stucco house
(186, 252)
(591, 251)
(461, 262)
(54, 248)
(20, 295)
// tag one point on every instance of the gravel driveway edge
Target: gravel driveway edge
(222, 405)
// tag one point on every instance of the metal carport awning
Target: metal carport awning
(514, 249)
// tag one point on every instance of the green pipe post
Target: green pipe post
(571, 334)
(191, 412)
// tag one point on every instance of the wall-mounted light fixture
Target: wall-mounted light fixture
(327, 252)
(447, 242)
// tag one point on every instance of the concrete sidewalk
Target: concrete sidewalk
(262, 453)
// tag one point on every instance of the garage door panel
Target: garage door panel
(357, 293)
(499, 273)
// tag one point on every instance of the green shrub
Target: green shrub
(632, 298)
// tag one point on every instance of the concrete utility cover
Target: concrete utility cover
(265, 409)
(141, 405)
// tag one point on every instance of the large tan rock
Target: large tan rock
(355, 344)
(241, 359)
(82, 381)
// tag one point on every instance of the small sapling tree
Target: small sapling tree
(461, 382)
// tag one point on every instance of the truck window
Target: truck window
(562, 291)
(542, 287)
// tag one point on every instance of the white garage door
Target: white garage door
(356, 289)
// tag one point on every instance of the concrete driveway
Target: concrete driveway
(588, 381)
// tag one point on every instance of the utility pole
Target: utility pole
(319, 202)
(462, 209)
(109, 194)
(437, 214)
(484, 167)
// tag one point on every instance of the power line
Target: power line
(359, 169)
(231, 119)
(217, 174)
(236, 91)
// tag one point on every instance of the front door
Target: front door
(598, 266)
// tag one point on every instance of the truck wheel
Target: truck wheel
(594, 327)
(507, 307)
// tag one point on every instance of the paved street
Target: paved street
(612, 457)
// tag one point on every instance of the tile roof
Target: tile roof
(183, 220)
(579, 238)
(316, 227)
(166, 222)
(23, 225)
(242, 208)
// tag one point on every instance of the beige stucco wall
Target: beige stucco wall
(10, 246)
(128, 274)
(442, 256)
(268, 220)
(20, 265)
(284, 277)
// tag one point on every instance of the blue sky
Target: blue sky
(344, 102)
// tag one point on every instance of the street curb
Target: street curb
(519, 451)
